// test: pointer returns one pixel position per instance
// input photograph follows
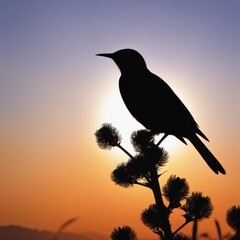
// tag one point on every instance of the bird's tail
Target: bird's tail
(209, 158)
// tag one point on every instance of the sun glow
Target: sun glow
(115, 112)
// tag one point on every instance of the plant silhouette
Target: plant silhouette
(233, 220)
(125, 232)
(63, 226)
(154, 104)
(145, 169)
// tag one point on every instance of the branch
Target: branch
(141, 184)
(183, 225)
(160, 205)
(124, 150)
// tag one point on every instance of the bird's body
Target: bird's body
(154, 104)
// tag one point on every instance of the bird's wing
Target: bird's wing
(155, 105)
(175, 112)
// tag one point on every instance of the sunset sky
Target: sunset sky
(55, 93)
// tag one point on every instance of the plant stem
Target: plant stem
(218, 230)
(194, 230)
(183, 225)
(160, 205)
(124, 150)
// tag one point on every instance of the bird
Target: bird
(153, 103)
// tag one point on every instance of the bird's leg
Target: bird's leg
(164, 136)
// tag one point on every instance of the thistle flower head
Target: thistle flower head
(175, 190)
(123, 176)
(181, 236)
(143, 143)
(233, 218)
(150, 218)
(123, 233)
(141, 140)
(126, 174)
(197, 207)
(107, 136)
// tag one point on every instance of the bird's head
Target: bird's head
(128, 60)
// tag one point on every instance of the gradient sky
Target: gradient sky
(55, 93)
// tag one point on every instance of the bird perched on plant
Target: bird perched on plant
(154, 104)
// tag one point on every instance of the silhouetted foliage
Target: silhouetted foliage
(63, 226)
(141, 140)
(233, 218)
(144, 168)
(123, 177)
(123, 233)
(181, 236)
(236, 236)
(143, 143)
(175, 190)
(219, 232)
(107, 137)
(197, 207)
(150, 217)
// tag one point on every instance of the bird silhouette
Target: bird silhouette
(154, 104)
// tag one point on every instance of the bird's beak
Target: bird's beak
(109, 55)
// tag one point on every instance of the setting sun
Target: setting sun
(115, 112)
